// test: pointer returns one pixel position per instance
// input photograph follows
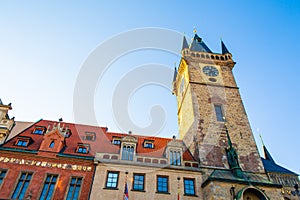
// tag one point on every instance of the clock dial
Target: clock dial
(210, 71)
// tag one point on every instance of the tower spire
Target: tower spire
(224, 48)
(184, 43)
(266, 152)
(198, 44)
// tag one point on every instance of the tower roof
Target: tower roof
(184, 43)
(224, 48)
(199, 45)
(267, 154)
(271, 166)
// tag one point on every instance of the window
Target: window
(112, 179)
(189, 186)
(2, 175)
(82, 148)
(74, 188)
(182, 85)
(175, 158)
(219, 113)
(49, 186)
(68, 132)
(91, 136)
(39, 130)
(162, 184)
(138, 182)
(148, 144)
(22, 142)
(127, 153)
(51, 144)
(20, 190)
(116, 141)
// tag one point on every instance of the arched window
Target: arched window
(51, 144)
(127, 152)
(175, 158)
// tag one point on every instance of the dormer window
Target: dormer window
(116, 141)
(91, 136)
(175, 157)
(22, 142)
(128, 147)
(149, 144)
(39, 130)
(127, 152)
(82, 148)
(68, 133)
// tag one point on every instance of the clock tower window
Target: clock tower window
(219, 113)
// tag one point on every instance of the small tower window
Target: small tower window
(51, 144)
(182, 85)
(219, 113)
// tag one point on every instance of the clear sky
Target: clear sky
(44, 45)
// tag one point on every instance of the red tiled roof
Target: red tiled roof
(101, 144)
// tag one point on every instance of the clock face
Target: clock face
(210, 71)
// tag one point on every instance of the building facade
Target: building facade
(215, 158)
(49, 160)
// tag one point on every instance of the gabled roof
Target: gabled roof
(271, 166)
(199, 45)
(101, 144)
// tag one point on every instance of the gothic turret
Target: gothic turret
(6, 123)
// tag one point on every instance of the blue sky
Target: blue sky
(44, 45)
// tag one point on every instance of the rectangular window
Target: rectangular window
(91, 136)
(23, 182)
(162, 184)
(116, 141)
(149, 144)
(138, 182)
(189, 186)
(82, 148)
(49, 187)
(22, 143)
(39, 130)
(112, 179)
(219, 113)
(2, 175)
(74, 188)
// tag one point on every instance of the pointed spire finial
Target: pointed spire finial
(262, 141)
(195, 30)
(224, 48)
(184, 44)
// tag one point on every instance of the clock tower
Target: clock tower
(207, 95)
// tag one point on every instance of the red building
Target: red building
(49, 160)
